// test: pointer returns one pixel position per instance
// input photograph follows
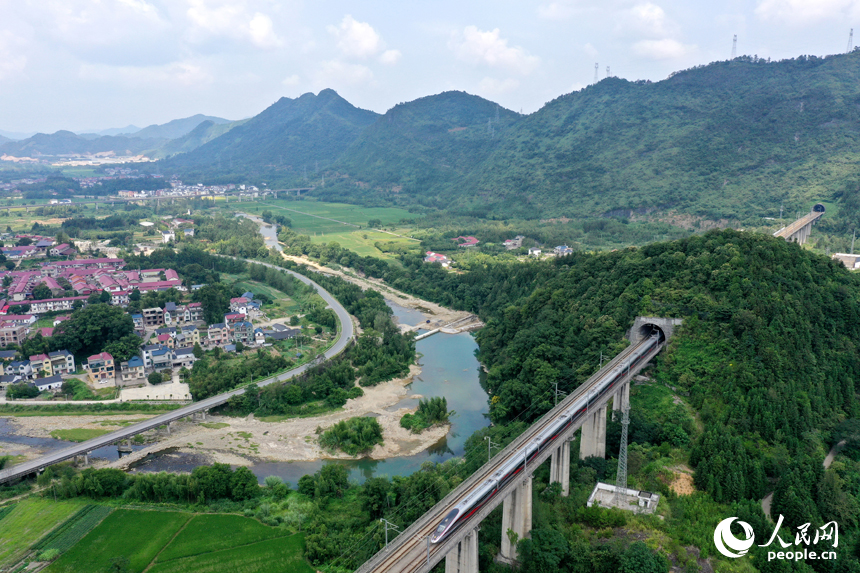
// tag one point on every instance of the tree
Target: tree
(9, 265)
(124, 348)
(134, 295)
(154, 378)
(41, 292)
(104, 296)
(197, 351)
(21, 390)
(215, 299)
(7, 280)
(243, 484)
(374, 223)
(90, 329)
(24, 241)
(239, 346)
(375, 496)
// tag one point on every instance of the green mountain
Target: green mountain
(731, 139)
(431, 142)
(66, 142)
(288, 137)
(203, 133)
(176, 128)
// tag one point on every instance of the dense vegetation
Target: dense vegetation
(430, 412)
(353, 436)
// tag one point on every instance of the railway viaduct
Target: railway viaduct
(412, 552)
(799, 230)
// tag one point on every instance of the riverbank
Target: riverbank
(246, 441)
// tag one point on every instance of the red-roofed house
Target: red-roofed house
(100, 368)
(466, 241)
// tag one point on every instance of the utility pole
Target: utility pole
(854, 236)
(558, 393)
(735, 46)
(388, 525)
(490, 444)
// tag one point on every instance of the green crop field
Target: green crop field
(208, 533)
(73, 529)
(281, 555)
(78, 434)
(305, 215)
(363, 241)
(136, 535)
(28, 522)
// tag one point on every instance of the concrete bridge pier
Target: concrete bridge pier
(621, 399)
(464, 558)
(560, 467)
(593, 440)
(516, 518)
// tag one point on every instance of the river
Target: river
(449, 369)
(46, 445)
(269, 232)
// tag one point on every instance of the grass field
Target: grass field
(280, 555)
(78, 434)
(305, 214)
(208, 533)
(136, 535)
(74, 529)
(28, 522)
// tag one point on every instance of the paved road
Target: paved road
(347, 332)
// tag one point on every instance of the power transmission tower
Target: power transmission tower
(497, 113)
(621, 480)
(735, 46)
(607, 72)
(850, 40)
(595, 72)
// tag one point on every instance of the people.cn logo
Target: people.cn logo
(727, 543)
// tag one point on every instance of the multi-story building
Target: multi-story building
(22, 368)
(153, 317)
(41, 364)
(192, 334)
(133, 370)
(161, 358)
(195, 312)
(239, 304)
(12, 334)
(100, 368)
(56, 304)
(62, 362)
(218, 334)
(184, 358)
(243, 332)
(138, 321)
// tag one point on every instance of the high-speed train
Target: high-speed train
(518, 460)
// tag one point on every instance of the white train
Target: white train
(482, 493)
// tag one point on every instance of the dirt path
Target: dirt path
(437, 315)
(828, 459)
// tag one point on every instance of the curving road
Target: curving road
(347, 332)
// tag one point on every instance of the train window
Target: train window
(448, 519)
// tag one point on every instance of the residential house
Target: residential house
(21, 319)
(59, 319)
(192, 334)
(21, 367)
(432, 257)
(147, 354)
(243, 332)
(514, 243)
(259, 336)
(62, 362)
(100, 368)
(466, 241)
(161, 358)
(7, 379)
(195, 312)
(41, 364)
(218, 334)
(165, 340)
(12, 334)
(234, 317)
(562, 250)
(167, 236)
(184, 358)
(153, 317)
(534, 252)
(133, 371)
(56, 304)
(120, 298)
(61, 250)
(239, 305)
(188, 232)
(138, 322)
(51, 383)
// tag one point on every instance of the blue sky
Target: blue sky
(96, 64)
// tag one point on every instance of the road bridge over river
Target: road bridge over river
(412, 550)
(347, 333)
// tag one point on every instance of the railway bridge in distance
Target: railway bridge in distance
(412, 551)
(799, 230)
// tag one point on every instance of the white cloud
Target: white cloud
(492, 86)
(291, 81)
(12, 58)
(807, 11)
(589, 50)
(184, 73)
(665, 49)
(336, 73)
(390, 57)
(356, 39)
(562, 10)
(489, 48)
(647, 20)
(232, 20)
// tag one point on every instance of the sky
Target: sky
(87, 65)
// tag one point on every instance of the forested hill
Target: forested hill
(432, 142)
(731, 139)
(767, 354)
(287, 138)
(63, 142)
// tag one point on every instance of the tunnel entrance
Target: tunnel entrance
(645, 326)
(648, 329)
